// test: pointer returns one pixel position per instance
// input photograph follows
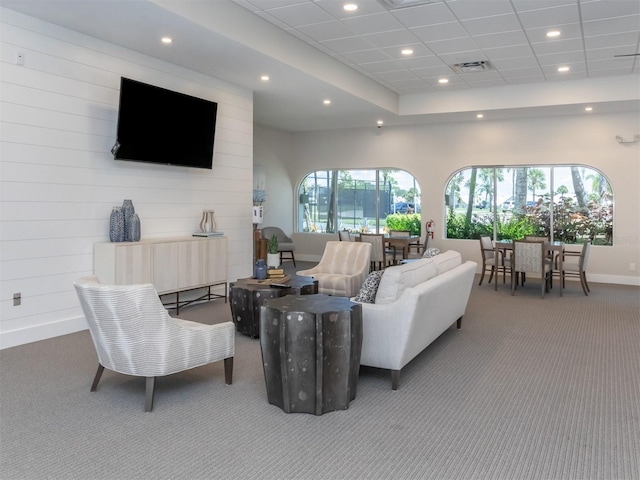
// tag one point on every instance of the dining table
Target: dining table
(401, 243)
(554, 248)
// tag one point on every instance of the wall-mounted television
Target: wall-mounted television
(157, 125)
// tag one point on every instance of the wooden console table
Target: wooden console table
(172, 265)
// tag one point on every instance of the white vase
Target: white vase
(273, 260)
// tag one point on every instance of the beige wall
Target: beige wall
(432, 153)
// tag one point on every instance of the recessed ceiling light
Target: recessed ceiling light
(350, 7)
(380, 123)
(563, 69)
(166, 40)
(480, 115)
(406, 51)
(443, 80)
(327, 102)
(264, 78)
(553, 33)
(588, 109)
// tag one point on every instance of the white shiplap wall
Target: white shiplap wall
(59, 180)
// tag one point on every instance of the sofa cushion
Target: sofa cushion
(367, 293)
(447, 260)
(397, 278)
(430, 252)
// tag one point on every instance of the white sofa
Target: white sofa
(414, 304)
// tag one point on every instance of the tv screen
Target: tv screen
(157, 125)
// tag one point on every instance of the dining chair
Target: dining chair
(493, 261)
(285, 244)
(574, 264)
(530, 257)
(344, 235)
(402, 234)
(379, 252)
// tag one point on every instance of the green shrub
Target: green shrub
(405, 221)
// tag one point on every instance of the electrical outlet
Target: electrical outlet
(632, 267)
(19, 58)
(17, 299)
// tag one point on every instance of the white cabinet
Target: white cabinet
(172, 265)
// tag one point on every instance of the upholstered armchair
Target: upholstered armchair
(342, 268)
(285, 244)
(133, 334)
(531, 257)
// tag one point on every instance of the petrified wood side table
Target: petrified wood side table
(311, 349)
(245, 299)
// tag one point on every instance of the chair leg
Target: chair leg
(395, 379)
(583, 282)
(228, 370)
(482, 277)
(148, 401)
(96, 379)
(459, 323)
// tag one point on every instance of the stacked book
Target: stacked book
(275, 274)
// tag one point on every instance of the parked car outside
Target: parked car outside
(405, 207)
(508, 205)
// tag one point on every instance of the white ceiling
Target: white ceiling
(313, 50)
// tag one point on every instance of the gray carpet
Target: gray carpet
(529, 388)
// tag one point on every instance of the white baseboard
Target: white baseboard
(21, 336)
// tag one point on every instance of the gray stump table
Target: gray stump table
(246, 298)
(311, 349)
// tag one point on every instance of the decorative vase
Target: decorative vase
(208, 221)
(133, 228)
(273, 260)
(116, 225)
(260, 270)
(127, 211)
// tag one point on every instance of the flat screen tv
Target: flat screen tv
(157, 125)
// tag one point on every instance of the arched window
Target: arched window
(568, 203)
(372, 200)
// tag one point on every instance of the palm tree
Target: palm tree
(536, 181)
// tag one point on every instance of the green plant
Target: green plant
(272, 244)
(405, 222)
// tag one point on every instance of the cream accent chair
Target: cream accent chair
(342, 268)
(133, 334)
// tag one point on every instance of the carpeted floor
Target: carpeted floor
(529, 388)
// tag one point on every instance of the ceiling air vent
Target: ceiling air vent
(394, 4)
(472, 67)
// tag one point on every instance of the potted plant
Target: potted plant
(273, 256)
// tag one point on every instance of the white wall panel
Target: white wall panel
(59, 180)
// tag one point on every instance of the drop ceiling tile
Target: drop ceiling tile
(344, 45)
(268, 4)
(501, 39)
(326, 31)
(367, 24)
(396, 75)
(549, 17)
(366, 56)
(419, 50)
(621, 40)
(526, 80)
(430, 14)
(610, 52)
(611, 64)
(516, 51)
(335, 8)
(272, 19)
(565, 58)
(610, 9)
(300, 14)
(420, 62)
(409, 83)
(439, 32)
(465, 10)
(390, 39)
(500, 23)
(515, 63)
(456, 45)
(565, 77)
(612, 25)
(609, 72)
(567, 31)
(377, 67)
(433, 72)
(498, 82)
(545, 48)
(522, 72)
